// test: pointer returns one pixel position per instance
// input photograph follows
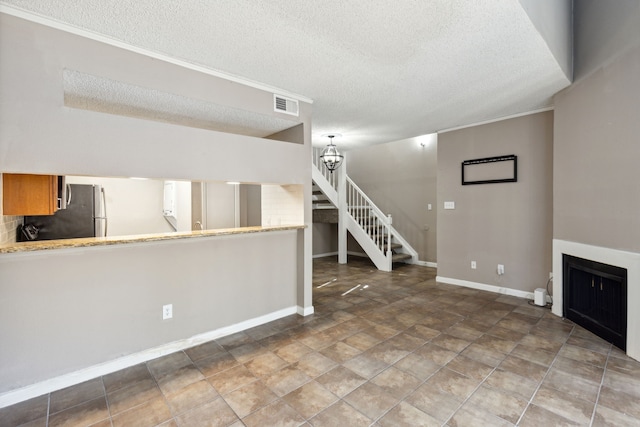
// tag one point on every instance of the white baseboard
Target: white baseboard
(426, 264)
(324, 255)
(305, 311)
(485, 287)
(47, 386)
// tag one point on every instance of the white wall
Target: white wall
(133, 206)
(281, 204)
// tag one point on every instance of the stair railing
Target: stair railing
(332, 178)
(376, 224)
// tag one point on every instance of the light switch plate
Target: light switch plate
(449, 205)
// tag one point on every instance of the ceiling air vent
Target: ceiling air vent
(285, 105)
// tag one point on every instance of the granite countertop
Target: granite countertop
(117, 240)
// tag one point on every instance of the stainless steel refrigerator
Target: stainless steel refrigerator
(84, 216)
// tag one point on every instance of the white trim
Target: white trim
(38, 389)
(426, 264)
(485, 287)
(325, 254)
(498, 119)
(49, 22)
(305, 311)
(618, 258)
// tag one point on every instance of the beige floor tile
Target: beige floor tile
(371, 400)
(247, 352)
(533, 354)
(406, 415)
(249, 398)
(470, 368)
(511, 383)
(605, 417)
(310, 399)
(231, 379)
(571, 408)
(536, 416)
(135, 394)
(362, 341)
(275, 414)
(150, 413)
(397, 383)
(620, 402)
(213, 414)
(87, 413)
(26, 411)
(501, 404)
(204, 350)
(170, 363)
(315, 364)
(622, 382)
(191, 396)
(579, 369)
(340, 414)
(285, 380)
(179, 379)
(366, 365)
(217, 363)
(74, 395)
(417, 366)
(483, 355)
(453, 383)
(340, 352)
(450, 342)
(435, 353)
(473, 415)
(126, 377)
(265, 364)
(573, 385)
(437, 403)
(341, 381)
(292, 352)
(524, 368)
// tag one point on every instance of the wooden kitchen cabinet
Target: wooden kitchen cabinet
(25, 194)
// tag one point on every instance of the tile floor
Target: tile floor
(400, 350)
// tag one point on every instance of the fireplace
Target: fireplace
(595, 297)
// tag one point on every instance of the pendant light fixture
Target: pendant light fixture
(330, 156)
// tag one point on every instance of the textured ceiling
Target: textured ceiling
(377, 70)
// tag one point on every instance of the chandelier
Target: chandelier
(330, 156)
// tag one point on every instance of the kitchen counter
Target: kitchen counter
(41, 245)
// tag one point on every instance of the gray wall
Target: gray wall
(507, 223)
(81, 307)
(38, 134)
(325, 239)
(596, 151)
(400, 177)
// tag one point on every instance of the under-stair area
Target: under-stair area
(336, 199)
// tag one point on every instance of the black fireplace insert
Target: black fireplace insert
(595, 297)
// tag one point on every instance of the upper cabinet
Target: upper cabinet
(25, 194)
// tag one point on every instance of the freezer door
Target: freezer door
(77, 220)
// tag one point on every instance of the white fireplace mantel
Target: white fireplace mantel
(628, 260)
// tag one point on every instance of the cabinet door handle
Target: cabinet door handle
(592, 282)
(601, 283)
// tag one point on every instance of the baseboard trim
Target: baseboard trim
(324, 255)
(484, 287)
(38, 389)
(426, 264)
(305, 311)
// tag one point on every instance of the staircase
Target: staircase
(357, 213)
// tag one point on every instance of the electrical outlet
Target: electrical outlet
(551, 275)
(167, 311)
(473, 265)
(500, 269)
